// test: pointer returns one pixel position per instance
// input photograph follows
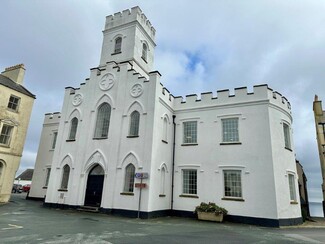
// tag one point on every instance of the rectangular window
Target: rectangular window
(233, 186)
(55, 135)
(190, 132)
(286, 132)
(293, 196)
(13, 103)
(189, 181)
(230, 130)
(48, 172)
(5, 134)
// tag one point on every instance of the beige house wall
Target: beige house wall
(10, 155)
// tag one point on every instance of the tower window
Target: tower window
(118, 45)
(144, 51)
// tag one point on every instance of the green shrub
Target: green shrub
(210, 208)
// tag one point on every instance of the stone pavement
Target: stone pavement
(25, 221)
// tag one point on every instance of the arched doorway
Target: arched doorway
(94, 188)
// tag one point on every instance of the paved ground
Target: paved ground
(23, 221)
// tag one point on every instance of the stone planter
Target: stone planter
(210, 216)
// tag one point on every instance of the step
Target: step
(88, 209)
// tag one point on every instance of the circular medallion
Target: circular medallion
(136, 90)
(77, 99)
(107, 82)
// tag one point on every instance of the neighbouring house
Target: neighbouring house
(319, 115)
(124, 144)
(302, 183)
(16, 104)
(25, 177)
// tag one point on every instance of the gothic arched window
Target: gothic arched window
(134, 123)
(65, 177)
(144, 51)
(118, 45)
(129, 178)
(165, 129)
(73, 129)
(102, 122)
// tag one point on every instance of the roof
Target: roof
(26, 175)
(5, 81)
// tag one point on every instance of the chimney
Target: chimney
(15, 73)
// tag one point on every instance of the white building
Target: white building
(234, 150)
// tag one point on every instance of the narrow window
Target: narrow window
(118, 45)
(286, 132)
(190, 132)
(47, 178)
(65, 177)
(13, 103)
(144, 51)
(292, 188)
(189, 181)
(1, 170)
(129, 178)
(103, 119)
(55, 135)
(73, 129)
(6, 134)
(165, 128)
(230, 130)
(134, 123)
(232, 181)
(162, 181)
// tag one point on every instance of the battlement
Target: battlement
(224, 97)
(51, 118)
(127, 16)
(18, 66)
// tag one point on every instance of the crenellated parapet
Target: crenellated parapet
(127, 16)
(51, 118)
(261, 93)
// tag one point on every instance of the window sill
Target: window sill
(127, 193)
(162, 195)
(44, 187)
(132, 136)
(12, 110)
(144, 60)
(293, 202)
(230, 143)
(52, 149)
(164, 141)
(115, 53)
(69, 140)
(189, 144)
(4, 145)
(288, 149)
(63, 190)
(189, 196)
(100, 138)
(233, 199)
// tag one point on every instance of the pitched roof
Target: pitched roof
(5, 81)
(26, 175)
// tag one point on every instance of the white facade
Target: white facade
(234, 150)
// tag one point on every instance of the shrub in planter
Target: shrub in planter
(210, 211)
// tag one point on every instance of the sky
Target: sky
(202, 46)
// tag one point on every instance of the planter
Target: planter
(210, 216)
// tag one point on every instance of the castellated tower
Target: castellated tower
(129, 36)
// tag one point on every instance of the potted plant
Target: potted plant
(210, 211)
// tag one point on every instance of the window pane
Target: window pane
(232, 181)
(189, 181)
(118, 45)
(165, 130)
(55, 135)
(48, 172)
(286, 132)
(73, 129)
(13, 103)
(5, 134)
(65, 177)
(230, 130)
(103, 119)
(134, 123)
(190, 132)
(129, 178)
(292, 187)
(144, 51)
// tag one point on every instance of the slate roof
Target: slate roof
(5, 81)
(26, 175)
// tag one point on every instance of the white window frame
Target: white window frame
(102, 122)
(47, 176)
(129, 178)
(165, 130)
(65, 177)
(144, 51)
(163, 181)
(134, 124)
(10, 103)
(292, 187)
(287, 135)
(54, 140)
(186, 186)
(6, 136)
(118, 45)
(188, 133)
(234, 139)
(232, 196)
(73, 129)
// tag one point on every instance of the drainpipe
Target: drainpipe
(173, 163)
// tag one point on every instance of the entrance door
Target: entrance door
(94, 188)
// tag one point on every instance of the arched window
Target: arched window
(165, 123)
(73, 129)
(65, 177)
(144, 51)
(162, 181)
(118, 45)
(102, 122)
(134, 123)
(129, 178)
